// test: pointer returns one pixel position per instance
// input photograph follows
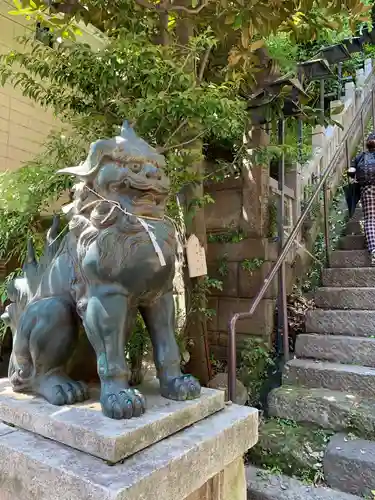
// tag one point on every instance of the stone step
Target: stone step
(349, 465)
(358, 215)
(353, 227)
(336, 348)
(339, 411)
(350, 258)
(359, 380)
(352, 242)
(341, 322)
(345, 298)
(347, 277)
(263, 485)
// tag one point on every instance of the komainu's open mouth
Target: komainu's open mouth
(147, 198)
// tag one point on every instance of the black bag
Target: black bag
(352, 193)
(365, 169)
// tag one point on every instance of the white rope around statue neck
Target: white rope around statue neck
(146, 226)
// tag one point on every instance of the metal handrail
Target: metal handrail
(232, 353)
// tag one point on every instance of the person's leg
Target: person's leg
(368, 207)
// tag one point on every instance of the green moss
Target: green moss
(229, 236)
(361, 420)
(290, 448)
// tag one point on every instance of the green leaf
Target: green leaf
(21, 12)
(58, 21)
(237, 22)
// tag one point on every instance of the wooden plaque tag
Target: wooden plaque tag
(196, 257)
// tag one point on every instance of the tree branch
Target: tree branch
(182, 124)
(182, 144)
(204, 64)
(168, 7)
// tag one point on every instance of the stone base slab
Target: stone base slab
(262, 485)
(84, 427)
(229, 484)
(328, 409)
(349, 465)
(180, 467)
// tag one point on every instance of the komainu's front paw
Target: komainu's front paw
(181, 388)
(122, 403)
(58, 389)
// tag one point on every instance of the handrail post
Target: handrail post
(363, 132)
(284, 312)
(282, 316)
(326, 223)
(347, 152)
(339, 78)
(373, 109)
(322, 102)
(232, 360)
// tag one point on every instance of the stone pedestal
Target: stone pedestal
(178, 450)
(85, 428)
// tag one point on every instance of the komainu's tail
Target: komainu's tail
(22, 289)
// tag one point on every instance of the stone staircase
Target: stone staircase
(331, 381)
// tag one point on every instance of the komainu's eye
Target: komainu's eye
(136, 167)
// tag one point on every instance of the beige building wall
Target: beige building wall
(24, 125)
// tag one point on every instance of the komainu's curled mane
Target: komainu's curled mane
(117, 258)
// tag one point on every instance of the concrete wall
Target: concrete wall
(24, 125)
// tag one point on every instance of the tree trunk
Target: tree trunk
(196, 328)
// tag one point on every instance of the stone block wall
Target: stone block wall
(241, 262)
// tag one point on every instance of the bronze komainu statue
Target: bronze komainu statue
(117, 258)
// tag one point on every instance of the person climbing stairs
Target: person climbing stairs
(331, 380)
